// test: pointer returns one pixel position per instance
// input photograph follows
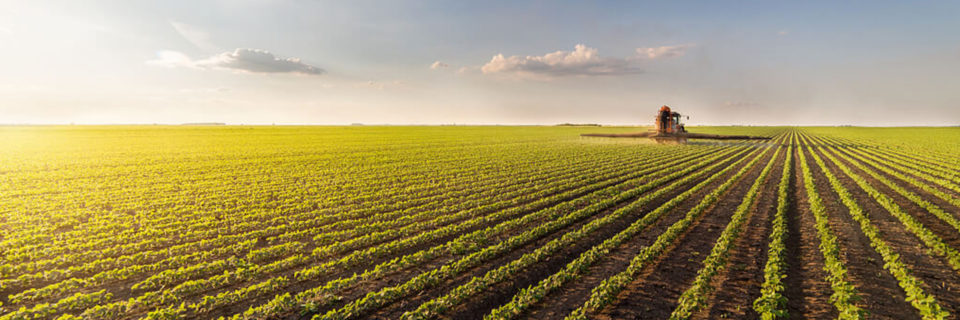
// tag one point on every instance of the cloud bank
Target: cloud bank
(439, 65)
(240, 60)
(663, 52)
(582, 61)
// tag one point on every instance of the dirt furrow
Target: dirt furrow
(946, 232)
(917, 177)
(929, 197)
(501, 293)
(654, 294)
(401, 276)
(881, 294)
(559, 304)
(299, 286)
(553, 264)
(806, 288)
(740, 281)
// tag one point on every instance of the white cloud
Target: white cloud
(438, 65)
(241, 60)
(783, 33)
(663, 52)
(583, 61)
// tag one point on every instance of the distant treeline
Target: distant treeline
(204, 124)
(578, 125)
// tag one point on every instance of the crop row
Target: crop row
(912, 164)
(605, 293)
(467, 243)
(180, 260)
(575, 269)
(931, 240)
(772, 303)
(347, 260)
(458, 178)
(900, 171)
(428, 279)
(259, 197)
(926, 304)
(913, 197)
(844, 293)
(694, 298)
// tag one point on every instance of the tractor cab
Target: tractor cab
(668, 122)
(670, 130)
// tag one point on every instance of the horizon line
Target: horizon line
(223, 124)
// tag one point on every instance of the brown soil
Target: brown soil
(554, 263)
(927, 162)
(121, 290)
(739, 283)
(806, 288)
(946, 232)
(655, 291)
(654, 294)
(401, 276)
(929, 197)
(940, 280)
(916, 177)
(880, 294)
(559, 304)
(299, 286)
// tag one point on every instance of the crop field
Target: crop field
(458, 222)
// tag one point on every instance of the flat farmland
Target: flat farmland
(486, 222)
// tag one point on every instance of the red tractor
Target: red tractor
(669, 122)
(669, 129)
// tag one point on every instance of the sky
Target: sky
(876, 63)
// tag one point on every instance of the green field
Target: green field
(461, 222)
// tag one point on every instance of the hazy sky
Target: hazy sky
(482, 62)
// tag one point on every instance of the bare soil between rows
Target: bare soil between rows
(806, 288)
(938, 277)
(501, 293)
(879, 291)
(654, 294)
(739, 283)
(559, 304)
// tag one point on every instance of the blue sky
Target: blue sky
(430, 62)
